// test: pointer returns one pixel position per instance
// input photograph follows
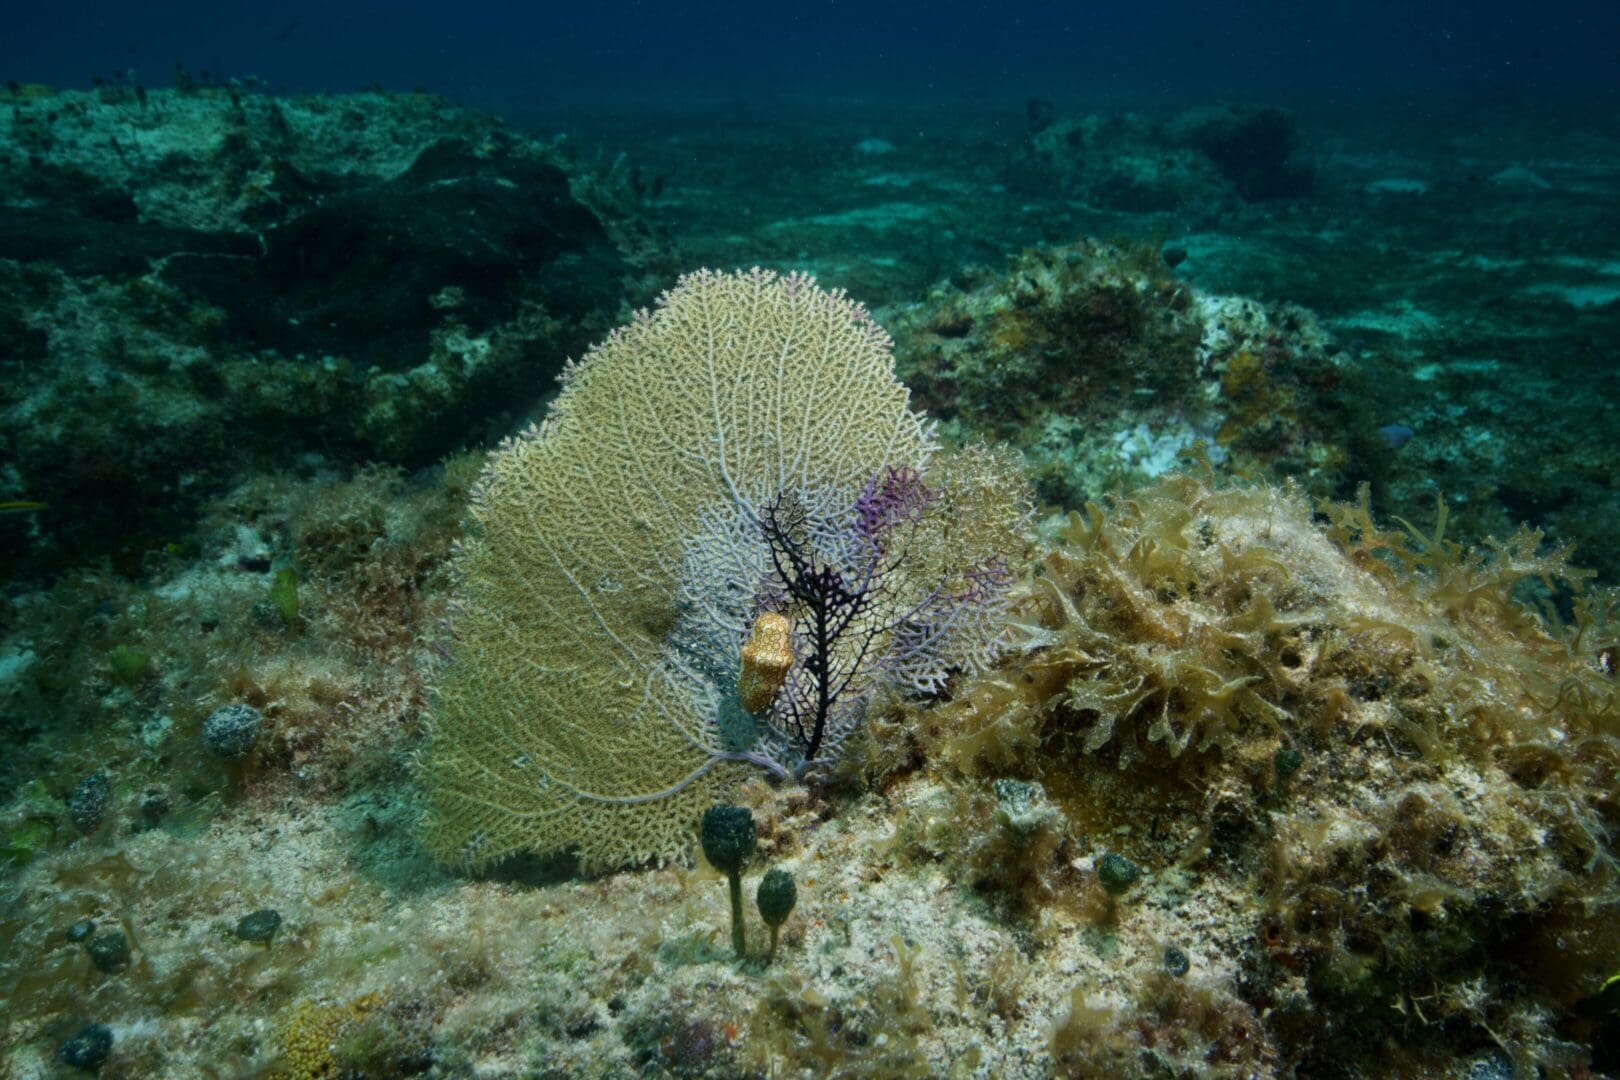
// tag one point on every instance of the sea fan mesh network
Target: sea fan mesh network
(615, 559)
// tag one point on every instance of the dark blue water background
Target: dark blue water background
(498, 54)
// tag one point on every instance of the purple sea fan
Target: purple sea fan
(867, 612)
(894, 497)
(961, 629)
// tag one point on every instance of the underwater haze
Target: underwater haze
(837, 541)
(492, 54)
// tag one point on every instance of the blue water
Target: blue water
(499, 53)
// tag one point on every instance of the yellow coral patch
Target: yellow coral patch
(311, 1033)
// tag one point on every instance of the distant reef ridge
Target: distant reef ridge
(202, 281)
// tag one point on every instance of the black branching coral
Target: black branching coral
(836, 609)
(729, 534)
(856, 626)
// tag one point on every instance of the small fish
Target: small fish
(20, 506)
(1396, 435)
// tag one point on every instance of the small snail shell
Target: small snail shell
(766, 657)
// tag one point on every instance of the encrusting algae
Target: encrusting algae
(1398, 749)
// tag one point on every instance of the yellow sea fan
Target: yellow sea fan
(565, 721)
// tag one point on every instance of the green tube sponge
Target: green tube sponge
(776, 897)
(728, 844)
(284, 595)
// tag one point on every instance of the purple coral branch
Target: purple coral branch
(891, 498)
